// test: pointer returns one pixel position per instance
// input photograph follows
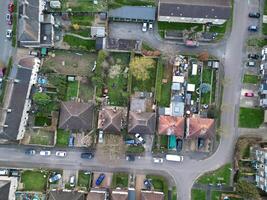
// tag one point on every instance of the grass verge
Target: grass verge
(62, 138)
(34, 180)
(160, 184)
(253, 79)
(198, 194)
(120, 180)
(250, 117)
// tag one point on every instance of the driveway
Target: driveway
(249, 101)
(106, 182)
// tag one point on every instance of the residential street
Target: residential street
(183, 174)
(6, 48)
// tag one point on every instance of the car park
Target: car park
(30, 152)
(158, 160)
(100, 179)
(139, 138)
(11, 7)
(72, 181)
(144, 27)
(61, 153)
(253, 56)
(9, 34)
(9, 18)
(251, 64)
(249, 94)
(253, 28)
(254, 14)
(55, 178)
(101, 136)
(45, 153)
(130, 158)
(87, 156)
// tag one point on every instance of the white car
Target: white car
(45, 153)
(61, 153)
(101, 137)
(72, 181)
(144, 27)
(140, 138)
(158, 160)
(9, 33)
(150, 26)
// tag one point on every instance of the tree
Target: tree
(205, 88)
(41, 99)
(204, 56)
(247, 190)
(139, 67)
(76, 26)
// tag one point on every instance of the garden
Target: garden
(120, 180)
(112, 4)
(87, 6)
(160, 184)
(34, 180)
(208, 77)
(250, 117)
(77, 43)
(62, 138)
(41, 137)
(198, 194)
(84, 179)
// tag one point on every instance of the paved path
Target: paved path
(79, 36)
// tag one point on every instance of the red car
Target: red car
(11, 7)
(249, 94)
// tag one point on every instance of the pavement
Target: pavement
(6, 48)
(182, 175)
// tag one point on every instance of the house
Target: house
(97, 194)
(151, 195)
(170, 125)
(111, 119)
(143, 122)
(263, 88)
(8, 187)
(194, 11)
(35, 28)
(133, 14)
(65, 195)
(76, 116)
(16, 115)
(119, 195)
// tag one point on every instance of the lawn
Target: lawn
(178, 26)
(87, 6)
(218, 28)
(119, 3)
(164, 141)
(62, 138)
(120, 180)
(160, 184)
(58, 81)
(194, 79)
(84, 179)
(42, 120)
(72, 90)
(206, 78)
(42, 137)
(82, 20)
(174, 193)
(216, 195)
(253, 79)
(34, 180)
(86, 89)
(250, 117)
(77, 43)
(198, 194)
(85, 32)
(221, 175)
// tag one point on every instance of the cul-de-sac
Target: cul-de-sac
(133, 99)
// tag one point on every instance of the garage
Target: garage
(133, 14)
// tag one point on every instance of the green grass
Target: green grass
(257, 42)
(135, 149)
(120, 180)
(82, 20)
(251, 79)
(216, 195)
(78, 43)
(178, 26)
(14, 30)
(147, 47)
(160, 184)
(206, 78)
(198, 194)
(174, 193)
(221, 175)
(164, 141)
(87, 6)
(72, 90)
(219, 28)
(59, 81)
(42, 120)
(84, 179)
(265, 7)
(159, 77)
(62, 138)
(4, 83)
(82, 32)
(119, 3)
(264, 29)
(250, 117)
(34, 180)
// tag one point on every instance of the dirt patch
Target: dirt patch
(86, 89)
(41, 137)
(70, 63)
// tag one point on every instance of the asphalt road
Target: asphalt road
(6, 48)
(185, 173)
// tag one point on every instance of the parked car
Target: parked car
(251, 64)
(55, 178)
(72, 181)
(61, 153)
(9, 18)
(30, 152)
(139, 138)
(9, 34)
(11, 7)
(130, 158)
(100, 179)
(254, 14)
(147, 184)
(144, 27)
(158, 160)
(34, 53)
(249, 94)
(101, 136)
(253, 56)
(200, 143)
(150, 26)
(87, 156)
(130, 141)
(71, 141)
(253, 28)
(179, 145)
(45, 153)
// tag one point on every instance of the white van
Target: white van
(176, 158)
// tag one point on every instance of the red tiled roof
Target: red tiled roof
(198, 127)
(169, 125)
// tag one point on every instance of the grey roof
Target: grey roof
(60, 195)
(46, 31)
(143, 123)
(199, 2)
(16, 104)
(29, 26)
(76, 116)
(134, 12)
(4, 190)
(152, 195)
(200, 10)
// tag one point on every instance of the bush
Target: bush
(135, 149)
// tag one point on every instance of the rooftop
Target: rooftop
(143, 123)
(63, 195)
(152, 195)
(170, 125)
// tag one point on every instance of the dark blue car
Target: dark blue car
(130, 141)
(100, 179)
